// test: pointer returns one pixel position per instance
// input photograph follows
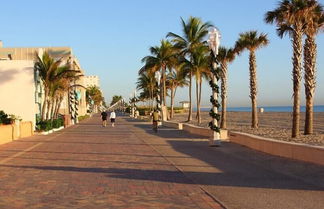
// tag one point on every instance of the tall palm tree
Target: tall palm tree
(315, 23)
(59, 86)
(147, 83)
(162, 58)
(289, 17)
(225, 56)
(194, 33)
(45, 66)
(175, 79)
(201, 64)
(252, 41)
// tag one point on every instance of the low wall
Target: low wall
(11, 132)
(26, 129)
(6, 133)
(296, 151)
(205, 132)
(173, 125)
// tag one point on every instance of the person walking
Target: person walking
(104, 118)
(113, 118)
(155, 117)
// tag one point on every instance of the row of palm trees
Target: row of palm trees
(189, 56)
(186, 56)
(299, 18)
(56, 77)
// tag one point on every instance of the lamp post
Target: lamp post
(158, 79)
(133, 100)
(214, 41)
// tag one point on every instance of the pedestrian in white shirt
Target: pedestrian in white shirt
(113, 118)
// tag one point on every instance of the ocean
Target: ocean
(317, 108)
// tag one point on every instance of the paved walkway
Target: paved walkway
(129, 166)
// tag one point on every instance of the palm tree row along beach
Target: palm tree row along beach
(185, 58)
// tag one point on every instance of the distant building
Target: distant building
(91, 80)
(185, 104)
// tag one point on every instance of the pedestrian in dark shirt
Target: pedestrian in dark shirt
(104, 118)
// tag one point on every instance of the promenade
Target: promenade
(130, 166)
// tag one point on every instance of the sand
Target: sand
(274, 125)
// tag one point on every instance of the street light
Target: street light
(158, 78)
(214, 41)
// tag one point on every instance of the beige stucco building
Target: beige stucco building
(18, 60)
(17, 89)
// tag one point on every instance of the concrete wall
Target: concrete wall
(17, 88)
(296, 151)
(15, 131)
(204, 132)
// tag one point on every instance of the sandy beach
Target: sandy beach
(275, 125)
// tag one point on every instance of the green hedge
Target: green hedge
(80, 118)
(48, 125)
(4, 118)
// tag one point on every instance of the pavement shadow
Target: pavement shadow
(241, 166)
(222, 179)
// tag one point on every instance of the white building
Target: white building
(91, 80)
(17, 71)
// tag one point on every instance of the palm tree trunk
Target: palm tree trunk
(44, 104)
(53, 108)
(224, 96)
(310, 71)
(253, 89)
(297, 63)
(197, 99)
(164, 85)
(48, 109)
(172, 101)
(190, 99)
(58, 105)
(199, 102)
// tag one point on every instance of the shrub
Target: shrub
(80, 118)
(45, 125)
(5, 119)
(57, 123)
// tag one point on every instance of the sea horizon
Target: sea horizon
(317, 108)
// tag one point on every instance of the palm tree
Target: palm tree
(201, 64)
(95, 94)
(252, 41)
(45, 66)
(194, 33)
(175, 79)
(225, 56)
(59, 82)
(315, 23)
(162, 58)
(147, 83)
(51, 71)
(289, 17)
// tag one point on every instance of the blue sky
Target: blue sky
(110, 37)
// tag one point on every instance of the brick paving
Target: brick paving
(90, 166)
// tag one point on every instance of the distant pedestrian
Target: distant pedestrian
(104, 116)
(156, 118)
(113, 118)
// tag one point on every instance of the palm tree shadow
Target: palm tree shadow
(174, 176)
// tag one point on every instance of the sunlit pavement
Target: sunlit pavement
(130, 166)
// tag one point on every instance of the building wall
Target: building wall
(91, 80)
(17, 88)
(29, 53)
